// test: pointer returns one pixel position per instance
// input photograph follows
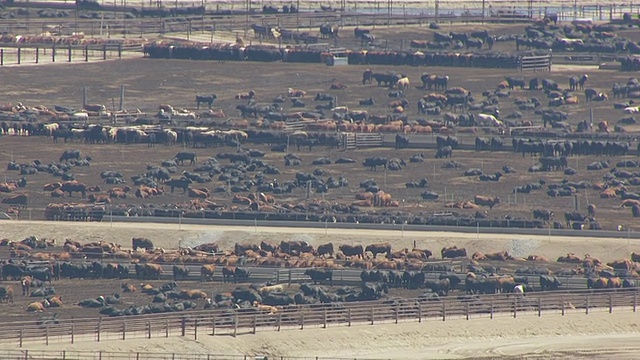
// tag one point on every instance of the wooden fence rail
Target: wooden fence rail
(248, 321)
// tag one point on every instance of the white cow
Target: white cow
(632, 109)
(489, 120)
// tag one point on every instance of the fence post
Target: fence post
(69, 52)
(99, 326)
(183, 326)
(46, 335)
(213, 326)
(21, 333)
(587, 307)
(149, 329)
(539, 307)
(610, 304)
(195, 330)
(397, 314)
(235, 325)
(419, 312)
(72, 334)
(491, 310)
(349, 316)
(255, 323)
(302, 321)
(562, 306)
(19, 55)
(635, 301)
(372, 316)
(279, 320)
(124, 330)
(444, 311)
(466, 310)
(64, 354)
(289, 278)
(515, 307)
(324, 319)
(166, 328)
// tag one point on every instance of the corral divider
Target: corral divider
(534, 63)
(351, 141)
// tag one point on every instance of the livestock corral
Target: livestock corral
(51, 284)
(296, 160)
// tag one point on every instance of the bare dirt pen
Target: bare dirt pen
(153, 82)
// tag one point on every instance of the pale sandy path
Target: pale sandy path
(172, 235)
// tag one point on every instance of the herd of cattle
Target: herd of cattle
(444, 50)
(35, 267)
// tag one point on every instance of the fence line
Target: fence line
(249, 321)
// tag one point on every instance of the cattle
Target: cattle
(489, 201)
(21, 200)
(142, 243)
(6, 294)
(444, 152)
(543, 214)
(352, 250)
(180, 272)
(325, 249)
(207, 99)
(453, 252)
(367, 77)
(182, 183)
(318, 275)
(70, 154)
(184, 155)
(548, 282)
(376, 249)
(74, 186)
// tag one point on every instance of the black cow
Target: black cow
(182, 183)
(444, 152)
(320, 274)
(549, 282)
(142, 243)
(374, 162)
(402, 141)
(207, 99)
(543, 214)
(185, 155)
(70, 154)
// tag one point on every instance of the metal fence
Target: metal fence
(248, 321)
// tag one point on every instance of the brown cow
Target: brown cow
(623, 264)
(193, 294)
(537, 258)
(6, 293)
(198, 193)
(365, 196)
(352, 250)
(614, 283)
(51, 186)
(489, 201)
(20, 199)
(8, 187)
(570, 258)
(152, 271)
(338, 86)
